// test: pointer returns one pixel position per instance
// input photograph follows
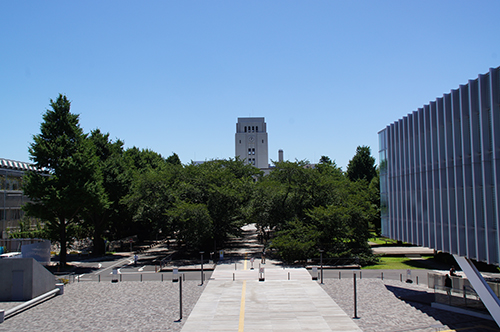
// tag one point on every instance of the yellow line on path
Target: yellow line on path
(242, 307)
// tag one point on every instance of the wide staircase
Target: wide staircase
(267, 298)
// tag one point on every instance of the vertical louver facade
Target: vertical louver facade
(440, 168)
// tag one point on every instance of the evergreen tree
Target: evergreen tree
(362, 165)
(72, 178)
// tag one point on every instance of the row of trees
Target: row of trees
(92, 186)
(319, 208)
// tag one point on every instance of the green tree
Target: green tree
(174, 159)
(72, 178)
(198, 204)
(149, 179)
(298, 242)
(325, 160)
(362, 165)
(107, 209)
(225, 187)
(314, 208)
(193, 224)
(374, 192)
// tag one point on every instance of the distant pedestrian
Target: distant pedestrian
(135, 259)
(263, 257)
(448, 284)
(452, 271)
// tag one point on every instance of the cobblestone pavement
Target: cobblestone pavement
(154, 306)
(381, 310)
(124, 306)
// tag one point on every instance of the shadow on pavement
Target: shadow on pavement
(422, 300)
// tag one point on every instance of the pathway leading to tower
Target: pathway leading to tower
(287, 300)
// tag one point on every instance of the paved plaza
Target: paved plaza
(233, 299)
(288, 300)
(106, 306)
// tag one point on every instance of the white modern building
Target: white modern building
(440, 178)
(251, 142)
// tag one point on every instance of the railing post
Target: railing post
(465, 296)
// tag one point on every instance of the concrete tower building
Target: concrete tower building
(251, 142)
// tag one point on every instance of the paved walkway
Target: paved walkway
(409, 251)
(288, 300)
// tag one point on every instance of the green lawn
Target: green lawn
(403, 263)
(382, 240)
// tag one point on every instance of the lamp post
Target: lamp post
(202, 252)
(321, 263)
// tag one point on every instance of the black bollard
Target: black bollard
(355, 298)
(180, 298)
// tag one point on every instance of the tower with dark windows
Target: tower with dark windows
(251, 141)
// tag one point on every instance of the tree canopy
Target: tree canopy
(92, 184)
(307, 209)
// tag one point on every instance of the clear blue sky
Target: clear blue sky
(174, 76)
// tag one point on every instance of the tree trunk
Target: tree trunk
(62, 240)
(99, 247)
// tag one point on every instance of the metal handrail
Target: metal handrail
(11, 312)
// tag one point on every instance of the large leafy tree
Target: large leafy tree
(106, 209)
(201, 205)
(150, 177)
(224, 187)
(314, 208)
(73, 179)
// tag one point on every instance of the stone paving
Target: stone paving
(125, 306)
(154, 306)
(381, 308)
(288, 300)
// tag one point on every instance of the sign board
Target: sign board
(39, 251)
(314, 273)
(221, 254)
(175, 275)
